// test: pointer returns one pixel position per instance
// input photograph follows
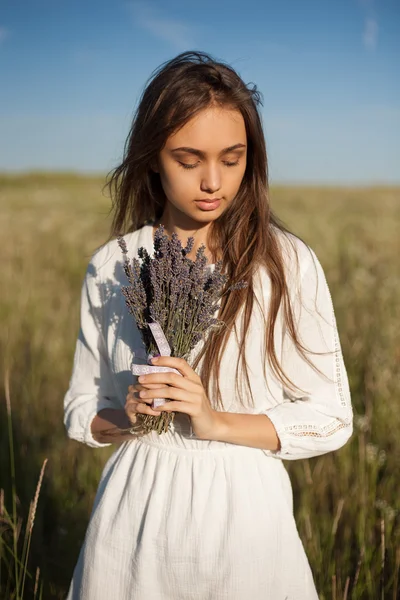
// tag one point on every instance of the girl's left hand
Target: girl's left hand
(185, 392)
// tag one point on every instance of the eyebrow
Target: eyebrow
(202, 154)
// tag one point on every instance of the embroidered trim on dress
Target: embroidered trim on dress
(310, 430)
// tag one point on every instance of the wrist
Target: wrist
(219, 426)
(254, 430)
(110, 425)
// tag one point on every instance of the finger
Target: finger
(134, 397)
(145, 409)
(179, 364)
(153, 386)
(172, 379)
(171, 393)
(132, 408)
(131, 396)
(176, 406)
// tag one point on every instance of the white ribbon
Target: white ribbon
(164, 350)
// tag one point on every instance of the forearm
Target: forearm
(256, 431)
(108, 426)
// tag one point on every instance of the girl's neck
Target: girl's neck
(199, 234)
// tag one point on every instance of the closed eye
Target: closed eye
(189, 166)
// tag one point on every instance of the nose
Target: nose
(211, 179)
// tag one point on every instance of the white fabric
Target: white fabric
(177, 518)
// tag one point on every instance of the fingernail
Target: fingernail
(154, 359)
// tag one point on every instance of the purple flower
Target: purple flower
(179, 293)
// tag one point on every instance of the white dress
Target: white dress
(178, 518)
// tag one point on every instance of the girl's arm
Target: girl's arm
(321, 419)
(111, 425)
(91, 388)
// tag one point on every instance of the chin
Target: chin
(207, 217)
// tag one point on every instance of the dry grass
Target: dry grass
(347, 503)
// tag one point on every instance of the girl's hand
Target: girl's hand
(135, 405)
(185, 391)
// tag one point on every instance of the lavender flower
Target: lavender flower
(178, 293)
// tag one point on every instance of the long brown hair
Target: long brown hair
(247, 233)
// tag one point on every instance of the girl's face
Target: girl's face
(202, 166)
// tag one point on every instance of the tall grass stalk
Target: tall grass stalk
(31, 521)
(14, 522)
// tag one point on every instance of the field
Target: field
(347, 503)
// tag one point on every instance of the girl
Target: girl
(204, 511)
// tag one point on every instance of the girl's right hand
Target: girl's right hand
(135, 405)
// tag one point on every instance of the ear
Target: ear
(154, 167)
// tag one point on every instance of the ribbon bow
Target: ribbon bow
(164, 350)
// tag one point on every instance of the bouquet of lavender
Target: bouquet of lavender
(173, 296)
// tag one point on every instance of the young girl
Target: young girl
(204, 511)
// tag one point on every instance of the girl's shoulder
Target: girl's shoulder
(108, 257)
(297, 255)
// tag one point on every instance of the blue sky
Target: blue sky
(71, 73)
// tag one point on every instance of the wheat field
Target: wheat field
(346, 503)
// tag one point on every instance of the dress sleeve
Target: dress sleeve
(319, 420)
(91, 387)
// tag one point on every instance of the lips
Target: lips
(208, 199)
(209, 203)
